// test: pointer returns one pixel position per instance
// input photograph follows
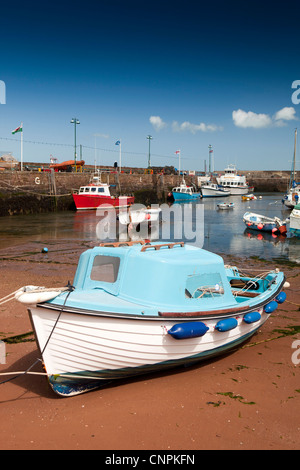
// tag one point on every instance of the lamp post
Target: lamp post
(209, 158)
(75, 122)
(149, 137)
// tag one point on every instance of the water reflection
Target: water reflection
(223, 231)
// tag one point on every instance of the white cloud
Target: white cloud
(157, 122)
(249, 119)
(193, 128)
(286, 114)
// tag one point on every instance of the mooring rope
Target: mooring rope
(70, 288)
(36, 290)
(9, 297)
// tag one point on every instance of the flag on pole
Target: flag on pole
(177, 151)
(118, 142)
(18, 129)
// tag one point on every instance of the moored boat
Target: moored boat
(237, 184)
(291, 197)
(136, 216)
(295, 221)
(214, 190)
(186, 193)
(249, 197)
(184, 306)
(225, 205)
(264, 224)
(96, 193)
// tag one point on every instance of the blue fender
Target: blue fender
(188, 330)
(252, 317)
(281, 297)
(271, 306)
(226, 324)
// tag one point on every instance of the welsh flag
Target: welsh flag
(18, 129)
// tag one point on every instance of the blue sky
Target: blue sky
(188, 73)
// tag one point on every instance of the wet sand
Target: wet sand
(247, 399)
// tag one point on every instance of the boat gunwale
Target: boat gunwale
(166, 316)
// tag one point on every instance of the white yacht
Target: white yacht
(237, 184)
(291, 197)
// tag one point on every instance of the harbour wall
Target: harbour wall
(34, 191)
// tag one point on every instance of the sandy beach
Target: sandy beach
(247, 399)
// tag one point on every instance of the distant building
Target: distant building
(7, 161)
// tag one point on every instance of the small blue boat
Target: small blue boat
(185, 193)
(137, 307)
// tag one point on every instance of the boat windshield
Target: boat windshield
(105, 268)
(203, 286)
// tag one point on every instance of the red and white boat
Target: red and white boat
(96, 193)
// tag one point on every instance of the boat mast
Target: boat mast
(209, 159)
(294, 163)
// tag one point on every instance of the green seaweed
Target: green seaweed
(23, 338)
(236, 397)
(288, 331)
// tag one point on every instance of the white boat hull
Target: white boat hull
(136, 217)
(83, 351)
(295, 222)
(225, 206)
(237, 191)
(237, 184)
(211, 192)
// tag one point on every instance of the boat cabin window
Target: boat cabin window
(93, 190)
(100, 190)
(81, 190)
(204, 286)
(105, 268)
(87, 189)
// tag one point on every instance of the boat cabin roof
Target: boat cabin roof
(102, 189)
(230, 168)
(157, 275)
(183, 189)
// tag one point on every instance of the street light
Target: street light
(149, 137)
(75, 122)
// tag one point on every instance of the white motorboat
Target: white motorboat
(214, 190)
(136, 216)
(225, 205)
(237, 184)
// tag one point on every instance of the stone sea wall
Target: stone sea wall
(34, 191)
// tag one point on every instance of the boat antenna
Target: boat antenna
(209, 158)
(294, 163)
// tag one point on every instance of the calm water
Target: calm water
(224, 230)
